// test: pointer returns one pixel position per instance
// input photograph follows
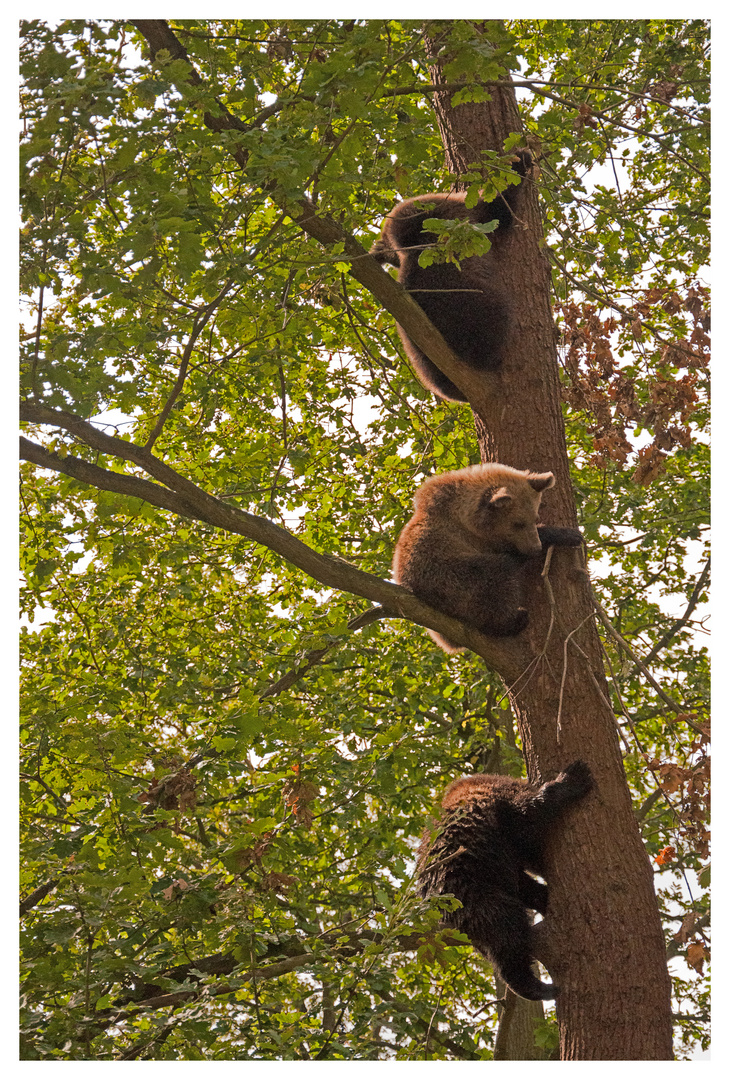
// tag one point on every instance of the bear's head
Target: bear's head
(496, 504)
(505, 515)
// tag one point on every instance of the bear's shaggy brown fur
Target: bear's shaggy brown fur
(469, 306)
(493, 829)
(465, 549)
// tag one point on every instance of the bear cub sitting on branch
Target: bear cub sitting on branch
(468, 306)
(465, 549)
(492, 829)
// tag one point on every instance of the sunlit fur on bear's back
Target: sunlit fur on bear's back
(403, 226)
(486, 789)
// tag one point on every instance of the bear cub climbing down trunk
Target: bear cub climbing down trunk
(468, 305)
(466, 547)
(492, 830)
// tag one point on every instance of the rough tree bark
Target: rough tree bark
(603, 937)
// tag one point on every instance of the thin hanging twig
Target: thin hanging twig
(565, 672)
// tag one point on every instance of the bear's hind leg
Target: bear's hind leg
(533, 894)
(492, 593)
(499, 929)
(515, 969)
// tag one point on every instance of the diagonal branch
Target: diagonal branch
(183, 497)
(363, 267)
(37, 895)
(393, 297)
(104, 479)
(683, 619)
(177, 997)
(317, 656)
(271, 971)
(341, 944)
(680, 710)
(200, 320)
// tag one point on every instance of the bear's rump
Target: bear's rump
(468, 308)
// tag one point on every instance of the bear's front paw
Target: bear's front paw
(580, 777)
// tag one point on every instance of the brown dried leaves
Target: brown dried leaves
(600, 388)
(173, 792)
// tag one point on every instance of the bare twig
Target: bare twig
(36, 779)
(316, 656)
(37, 335)
(107, 199)
(630, 722)
(137, 1049)
(683, 619)
(622, 707)
(551, 598)
(680, 710)
(430, 1024)
(37, 895)
(460, 1052)
(596, 685)
(199, 322)
(565, 672)
(284, 436)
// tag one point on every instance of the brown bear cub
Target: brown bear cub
(492, 830)
(469, 306)
(465, 549)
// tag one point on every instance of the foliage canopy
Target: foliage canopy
(199, 822)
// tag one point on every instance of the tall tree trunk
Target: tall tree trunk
(515, 1039)
(603, 937)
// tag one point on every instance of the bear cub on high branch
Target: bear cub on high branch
(491, 831)
(466, 547)
(469, 306)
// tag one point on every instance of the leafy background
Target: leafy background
(181, 814)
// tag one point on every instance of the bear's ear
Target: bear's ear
(498, 498)
(541, 481)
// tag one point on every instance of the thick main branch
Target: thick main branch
(181, 496)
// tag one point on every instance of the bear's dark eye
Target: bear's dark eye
(518, 525)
